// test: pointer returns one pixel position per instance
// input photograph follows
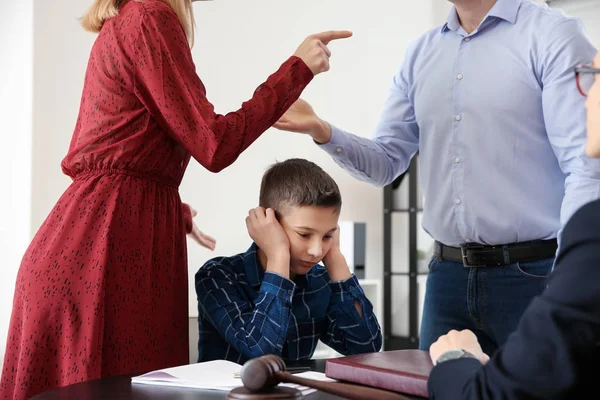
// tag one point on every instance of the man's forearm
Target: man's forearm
(321, 134)
(370, 160)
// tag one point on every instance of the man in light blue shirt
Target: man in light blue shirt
(489, 103)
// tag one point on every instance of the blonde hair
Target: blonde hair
(103, 10)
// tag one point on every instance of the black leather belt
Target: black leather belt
(477, 255)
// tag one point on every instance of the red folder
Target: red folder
(403, 371)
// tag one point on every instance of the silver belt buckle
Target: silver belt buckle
(463, 252)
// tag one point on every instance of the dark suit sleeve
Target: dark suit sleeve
(553, 347)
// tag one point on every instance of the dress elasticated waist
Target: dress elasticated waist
(160, 179)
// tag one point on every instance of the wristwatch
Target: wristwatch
(454, 354)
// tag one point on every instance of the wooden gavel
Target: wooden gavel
(264, 373)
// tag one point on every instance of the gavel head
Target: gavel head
(261, 373)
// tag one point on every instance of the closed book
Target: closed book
(403, 371)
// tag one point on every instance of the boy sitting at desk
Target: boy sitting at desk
(276, 298)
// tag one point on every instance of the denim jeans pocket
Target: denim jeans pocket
(433, 263)
(538, 269)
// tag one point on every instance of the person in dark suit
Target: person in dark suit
(555, 351)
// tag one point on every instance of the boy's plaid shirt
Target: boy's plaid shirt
(245, 312)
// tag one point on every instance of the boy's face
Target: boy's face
(310, 230)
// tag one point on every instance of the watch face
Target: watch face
(455, 353)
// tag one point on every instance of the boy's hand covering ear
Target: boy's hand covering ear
(267, 232)
(334, 260)
(334, 250)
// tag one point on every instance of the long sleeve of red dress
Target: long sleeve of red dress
(167, 84)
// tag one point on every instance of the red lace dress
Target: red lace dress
(102, 289)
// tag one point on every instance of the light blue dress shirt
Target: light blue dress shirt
(498, 122)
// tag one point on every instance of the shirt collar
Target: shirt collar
(254, 271)
(503, 9)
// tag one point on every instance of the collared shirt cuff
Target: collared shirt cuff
(337, 144)
(346, 290)
(278, 285)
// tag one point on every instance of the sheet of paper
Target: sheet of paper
(318, 376)
(207, 375)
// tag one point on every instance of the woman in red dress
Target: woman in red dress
(102, 289)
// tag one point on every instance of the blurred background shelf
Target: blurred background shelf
(407, 251)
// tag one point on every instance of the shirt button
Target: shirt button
(457, 201)
(459, 77)
(467, 39)
(338, 149)
(458, 117)
(469, 240)
(457, 160)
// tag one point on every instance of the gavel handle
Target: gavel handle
(348, 391)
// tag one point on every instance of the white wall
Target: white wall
(587, 10)
(441, 10)
(16, 85)
(61, 49)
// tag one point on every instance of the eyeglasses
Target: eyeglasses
(585, 75)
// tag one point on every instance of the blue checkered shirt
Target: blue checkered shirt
(246, 313)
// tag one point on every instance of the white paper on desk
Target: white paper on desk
(216, 375)
(211, 375)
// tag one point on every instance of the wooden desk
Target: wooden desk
(120, 388)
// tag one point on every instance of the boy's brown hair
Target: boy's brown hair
(297, 182)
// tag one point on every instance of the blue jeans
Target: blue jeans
(488, 300)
